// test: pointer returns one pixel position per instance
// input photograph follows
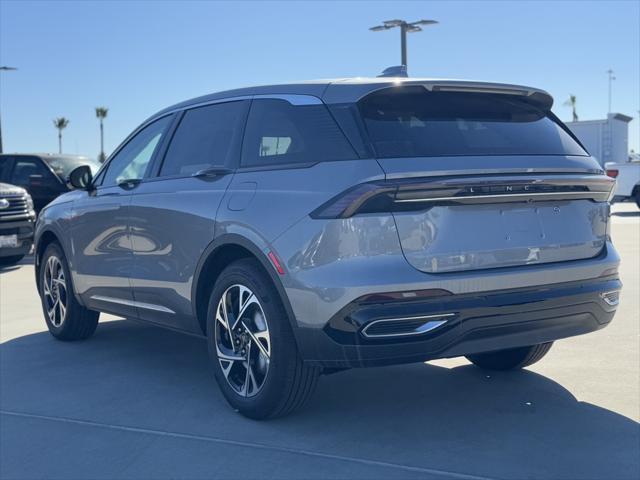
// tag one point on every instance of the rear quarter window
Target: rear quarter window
(280, 133)
(413, 122)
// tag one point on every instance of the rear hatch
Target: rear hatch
(483, 178)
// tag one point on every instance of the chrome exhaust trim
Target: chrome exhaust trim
(426, 323)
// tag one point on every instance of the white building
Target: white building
(607, 140)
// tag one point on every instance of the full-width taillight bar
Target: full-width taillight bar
(419, 194)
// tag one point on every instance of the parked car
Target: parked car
(627, 175)
(17, 220)
(42, 175)
(312, 227)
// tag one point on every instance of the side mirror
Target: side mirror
(80, 178)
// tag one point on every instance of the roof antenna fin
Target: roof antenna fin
(395, 71)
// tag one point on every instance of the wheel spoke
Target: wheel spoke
(255, 340)
(243, 344)
(55, 291)
(52, 312)
(63, 310)
(243, 306)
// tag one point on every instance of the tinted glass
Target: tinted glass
(26, 171)
(131, 162)
(5, 166)
(205, 137)
(413, 122)
(278, 132)
(62, 166)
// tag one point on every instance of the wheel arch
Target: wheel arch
(45, 238)
(223, 251)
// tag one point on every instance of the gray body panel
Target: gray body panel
(172, 222)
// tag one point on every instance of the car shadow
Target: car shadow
(464, 420)
(626, 214)
(28, 260)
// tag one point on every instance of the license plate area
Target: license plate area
(8, 241)
(475, 237)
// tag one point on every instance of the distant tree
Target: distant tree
(101, 113)
(571, 102)
(60, 123)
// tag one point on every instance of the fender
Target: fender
(261, 254)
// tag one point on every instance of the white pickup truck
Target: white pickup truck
(627, 175)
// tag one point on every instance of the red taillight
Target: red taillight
(612, 173)
(276, 263)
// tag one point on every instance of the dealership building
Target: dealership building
(607, 140)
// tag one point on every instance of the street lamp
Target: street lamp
(4, 69)
(611, 79)
(405, 27)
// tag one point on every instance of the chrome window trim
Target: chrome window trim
(293, 99)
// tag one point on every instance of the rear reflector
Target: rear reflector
(613, 173)
(276, 262)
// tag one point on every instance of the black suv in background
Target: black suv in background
(17, 219)
(42, 175)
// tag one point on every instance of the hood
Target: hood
(7, 189)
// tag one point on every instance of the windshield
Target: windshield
(413, 122)
(62, 166)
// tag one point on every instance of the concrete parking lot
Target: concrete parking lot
(139, 401)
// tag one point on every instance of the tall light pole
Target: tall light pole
(4, 69)
(611, 79)
(405, 27)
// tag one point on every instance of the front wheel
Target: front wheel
(511, 359)
(65, 317)
(251, 345)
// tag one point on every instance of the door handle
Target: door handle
(212, 172)
(129, 184)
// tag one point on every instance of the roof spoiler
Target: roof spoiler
(395, 71)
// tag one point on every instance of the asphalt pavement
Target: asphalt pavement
(137, 401)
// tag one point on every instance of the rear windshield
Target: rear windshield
(413, 122)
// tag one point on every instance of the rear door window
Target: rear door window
(207, 136)
(281, 133)
(413, 122)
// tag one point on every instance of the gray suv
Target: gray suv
(313, 227)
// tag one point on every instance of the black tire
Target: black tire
(78, 322)
(8, 261)
(637, 197)
(288, 382)
(511, 359)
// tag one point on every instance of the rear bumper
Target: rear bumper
(24, 231)
(477, 322)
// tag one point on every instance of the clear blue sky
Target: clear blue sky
(138, 57)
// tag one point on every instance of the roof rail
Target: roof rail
(395, 71)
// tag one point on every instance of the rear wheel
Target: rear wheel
(251, 345)
(511, 359)
(65, 317)
(637, 197)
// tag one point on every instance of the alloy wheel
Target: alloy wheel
(55, 291)
(243, 343)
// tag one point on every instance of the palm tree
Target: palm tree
(60, 123)
(571, 102)
(101, 113)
